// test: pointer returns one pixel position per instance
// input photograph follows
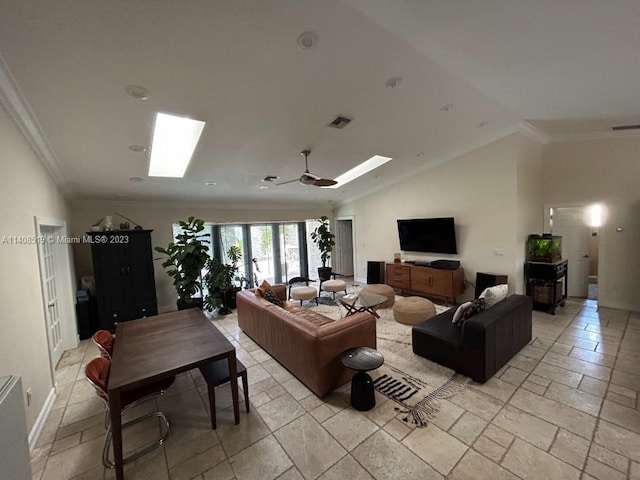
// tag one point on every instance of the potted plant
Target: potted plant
(223, 281)
(325, 241)
(184, 260)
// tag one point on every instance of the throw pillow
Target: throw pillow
(264, 286)
(460, 312)
(478, 305)
(271, 296)
(493, 295)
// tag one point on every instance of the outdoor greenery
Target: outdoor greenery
(185, 258)
(221, 279)
(324, 239)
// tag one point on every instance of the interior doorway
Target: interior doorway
(344, 260)
(579, 228)
(57, 287)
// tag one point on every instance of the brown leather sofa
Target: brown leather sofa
(306, 343)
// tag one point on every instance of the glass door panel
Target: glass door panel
(262, 250)
(313, 253)
(289, 251)
(232, 235)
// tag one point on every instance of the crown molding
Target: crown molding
(532, 132)
(602, 135)
(19, 110)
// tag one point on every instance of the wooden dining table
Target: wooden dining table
(154, 348)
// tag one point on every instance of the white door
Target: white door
(48, 262)
(570, 223)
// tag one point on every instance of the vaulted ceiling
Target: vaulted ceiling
(470, 72)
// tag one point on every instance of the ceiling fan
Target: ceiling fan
(308, 178)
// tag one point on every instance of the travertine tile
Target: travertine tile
(275, 392)
(621, 399)
(593, 386)
(572, 340)
(436, 447)
(579, 366)
(489, 448)
(280, 411)
(346, 468)
(468, 427)
(526, 426)
(74, 461)
(292, 474)
(533, 387)
(264, 460)
(619, 440)
(387, 459)
(477, 403)
(606, 456)
(322, 413)
(296, 389)
(475, 466)
(627, 392)
(570, 448)
(625, 379)
(593, 357)
(448, 415)
(235, 438)
(498, 435)
(529, 462)
(557, 374)
(533, 352)
(552, 411)
(350, 427)
(602, 472)
(625, 417)
(514, 376)
(222, 471)
(198, 464)
(634, 471)
(561, 348)
(310, 446)
(524, 363)
(608, 348)
(538, 380)
(495, 387)
(575, 398)
(382, 413)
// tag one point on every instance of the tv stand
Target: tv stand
(440, 284)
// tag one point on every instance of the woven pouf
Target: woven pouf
(384, 290)
(412, 310)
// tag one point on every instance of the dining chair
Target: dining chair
(299, 289)
(217, 373)
(103, 339)
(97, 373)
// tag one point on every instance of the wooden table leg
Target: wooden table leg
(233, 381)
(116, 430)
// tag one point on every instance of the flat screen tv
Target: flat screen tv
(433, 235)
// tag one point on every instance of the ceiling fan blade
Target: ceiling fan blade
(324, 182)
(288, 181)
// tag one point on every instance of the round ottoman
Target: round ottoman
(304, 293)
(384, 290)
(412, 310)
(334, 286)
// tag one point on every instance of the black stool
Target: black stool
(362, 359)
(216, 373)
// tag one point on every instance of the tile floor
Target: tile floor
(566, 407)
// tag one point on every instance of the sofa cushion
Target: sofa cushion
(264, 286)
(495, 294)
(459, 315)
(309, 315)
(271, 296)
(440, 327)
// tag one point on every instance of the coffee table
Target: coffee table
(361, 302)
(362, 359)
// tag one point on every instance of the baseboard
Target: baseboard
(167, 308)
(34, 435)
(634, 307)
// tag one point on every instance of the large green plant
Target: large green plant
(324, 239)
(222, 277)
(185, 258)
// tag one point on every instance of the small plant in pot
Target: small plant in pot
(223, 281)
(325, 241)
(184, 260)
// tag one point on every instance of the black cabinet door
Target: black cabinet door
(140, 278)
(110, 274)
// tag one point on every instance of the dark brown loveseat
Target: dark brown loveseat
(484, 344)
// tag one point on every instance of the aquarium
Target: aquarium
(544, 248)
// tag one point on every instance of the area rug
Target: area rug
(414, 383)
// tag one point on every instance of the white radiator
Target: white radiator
(14, 446)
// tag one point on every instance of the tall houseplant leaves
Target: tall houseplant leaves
(185, 258)
(324, 239)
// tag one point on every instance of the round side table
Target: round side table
(362, 359)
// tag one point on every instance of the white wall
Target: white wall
(26, 190)
(607, 172)
(160, 218)
(479, 189)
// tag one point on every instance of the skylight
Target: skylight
(174, 140)
(359, 170)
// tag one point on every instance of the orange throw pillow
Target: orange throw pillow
(264, 286)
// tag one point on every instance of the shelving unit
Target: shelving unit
(546, 284)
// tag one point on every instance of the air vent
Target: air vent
(626, 127)
(270, 178)
(340, 122)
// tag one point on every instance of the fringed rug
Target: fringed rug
(414, 383)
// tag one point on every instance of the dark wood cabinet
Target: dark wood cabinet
(432, 282)
(123, 271)
(546, 283)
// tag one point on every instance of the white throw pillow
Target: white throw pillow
(460, 312)
(493, 295)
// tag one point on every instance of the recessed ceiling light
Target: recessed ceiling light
(359, 170)
(137, 92)
(135, 179)
(307, 40)
(419, 154)
(210, 184)
(174, 140)
(483, 123)
(446, 108)
(393, 82)
(137, 148)
(264, 187)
